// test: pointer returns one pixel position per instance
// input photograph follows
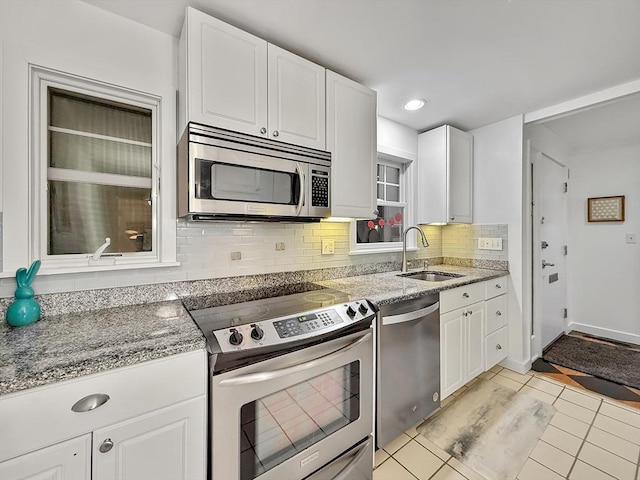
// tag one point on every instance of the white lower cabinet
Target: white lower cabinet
(65, 460)
(162, 444)
(473, 332)
(461, 347)
(153, 425)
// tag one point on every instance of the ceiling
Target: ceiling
(603, 126)
(475, 61)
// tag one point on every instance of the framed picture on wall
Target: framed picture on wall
(605, 209)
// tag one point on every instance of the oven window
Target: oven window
(277, 427)
(221, 181)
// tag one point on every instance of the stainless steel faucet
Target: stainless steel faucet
(425, 243)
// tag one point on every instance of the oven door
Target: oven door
(224, 181)
(289, 416)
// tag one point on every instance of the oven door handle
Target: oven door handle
(270, 375)
(302, 181)
(346, 471)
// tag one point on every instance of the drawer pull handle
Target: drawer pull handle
(106, 446)
(465, 295)
(263, 130)
(90, 402)
(498, 313)
(498, 286)
(498, 347)
(469, 312)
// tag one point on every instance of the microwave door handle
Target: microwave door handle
(302, 181)
(272, 374)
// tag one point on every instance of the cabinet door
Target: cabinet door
(451, 352)
(474, 340)
(70, 460)
(168, 443)
(296, 99)
(351, 139)
(460, 176)
(226, 75)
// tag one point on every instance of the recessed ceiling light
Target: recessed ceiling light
(414, 104)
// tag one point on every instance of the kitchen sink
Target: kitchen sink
(431, 276)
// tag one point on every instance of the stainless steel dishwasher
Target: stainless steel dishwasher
(408, 365)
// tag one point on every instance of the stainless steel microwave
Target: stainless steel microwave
(224, 175)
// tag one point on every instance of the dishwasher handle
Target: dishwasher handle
(410, 316)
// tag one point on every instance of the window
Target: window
(96, 174)
(384, 232)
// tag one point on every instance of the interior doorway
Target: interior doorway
(549, 248)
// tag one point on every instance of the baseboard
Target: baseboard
(605, 332)
(520, 367)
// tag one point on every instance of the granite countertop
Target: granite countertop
(63, 347)
(388, 287)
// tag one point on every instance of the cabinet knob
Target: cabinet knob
(498, 347)
(90, 402)
(276, 133)
(452, 218)
(465, 295)
(498, 286)
(469, 312)
(263, 130)
(106, 446)
(498, 313)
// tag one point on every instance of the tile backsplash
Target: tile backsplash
(205, 250)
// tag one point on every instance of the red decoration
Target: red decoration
(399, 217)
(381, 222)
(392, 221)
(370, 224)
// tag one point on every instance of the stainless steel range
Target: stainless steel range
(291, 386)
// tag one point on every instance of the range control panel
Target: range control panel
(286, 329)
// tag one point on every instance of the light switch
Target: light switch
(631, 238)
(328, 246)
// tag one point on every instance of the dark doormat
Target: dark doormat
(618, 363)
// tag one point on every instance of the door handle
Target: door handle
(546, 264)
(302, 182)
(407, 317)
(270, 375)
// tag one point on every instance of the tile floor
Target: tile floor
(591, 437)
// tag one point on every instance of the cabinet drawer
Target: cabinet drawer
(461, 296)
(496, 347)
(496, 287)
(497, 309)
(38, 417)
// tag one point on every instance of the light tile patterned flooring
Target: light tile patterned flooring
(590, 437)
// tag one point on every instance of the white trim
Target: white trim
(586, 101)
(520, 367)
(40, 79)
(79, 133)
(605, 333)
(83, 176)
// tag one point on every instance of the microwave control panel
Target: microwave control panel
(319, 188)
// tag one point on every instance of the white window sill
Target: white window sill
(94, 268)
(381, 250)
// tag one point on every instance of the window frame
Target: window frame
(41, 80)
(406, 200)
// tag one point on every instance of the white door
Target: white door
(549, 240)
(167, 444)
(296, 99)
(351, 139)
(70, 460)
(452, 345)
(227, 75)
(474, 320)
(460, 174)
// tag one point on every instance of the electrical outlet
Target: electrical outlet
(279, 246)
(236, 255)
(489, 243)
(328, 246)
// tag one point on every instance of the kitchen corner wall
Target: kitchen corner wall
(461, 241)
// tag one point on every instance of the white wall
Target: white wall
(497, 198)
(603, 270)
(397, 140)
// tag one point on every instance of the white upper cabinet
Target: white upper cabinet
(296, 99)
(445, 176)
(237, 81)
(351, 139)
